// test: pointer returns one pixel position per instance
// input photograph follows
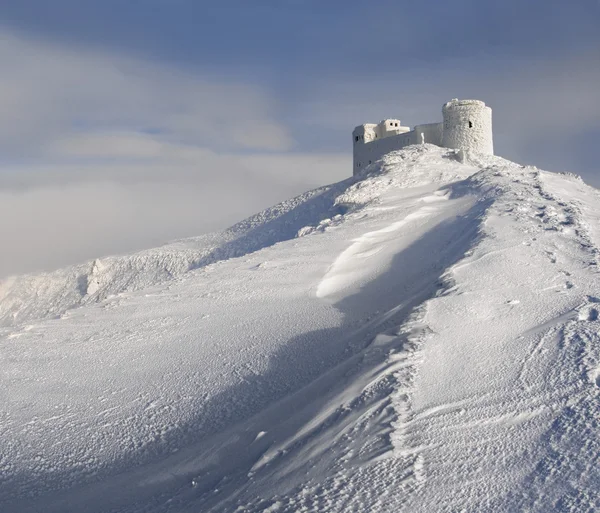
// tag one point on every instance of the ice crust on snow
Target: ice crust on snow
(421, 337)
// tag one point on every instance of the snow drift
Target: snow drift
(421, 337)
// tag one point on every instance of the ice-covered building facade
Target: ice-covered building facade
(466, 124)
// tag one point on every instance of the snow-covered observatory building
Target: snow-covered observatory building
(466, 124)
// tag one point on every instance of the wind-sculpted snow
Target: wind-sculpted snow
(422, 337)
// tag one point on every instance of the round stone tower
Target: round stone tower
(468, 126)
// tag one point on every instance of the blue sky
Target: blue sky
(126, 105)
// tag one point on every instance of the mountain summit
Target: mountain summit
(423, 336)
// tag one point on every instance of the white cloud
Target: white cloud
(53, 216)
(47, 90)
(106, 154)
(132, 145)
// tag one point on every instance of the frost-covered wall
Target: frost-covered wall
(430, 133)
(467, 124)
(372, 141)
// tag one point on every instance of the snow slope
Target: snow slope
(423, 337)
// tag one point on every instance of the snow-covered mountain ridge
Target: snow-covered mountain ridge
(46, 294)
(423, 337)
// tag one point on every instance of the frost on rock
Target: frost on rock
(93, 278)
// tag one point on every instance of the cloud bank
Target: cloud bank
(104, 154)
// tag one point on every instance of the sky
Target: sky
(126, 124)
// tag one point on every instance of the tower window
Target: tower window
(470, 124)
